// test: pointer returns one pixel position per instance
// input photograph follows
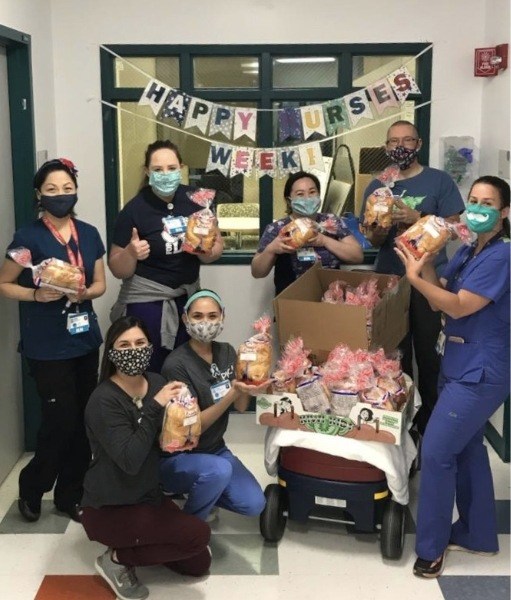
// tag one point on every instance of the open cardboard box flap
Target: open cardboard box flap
(300, 312)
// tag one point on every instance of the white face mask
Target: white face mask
(204, 331)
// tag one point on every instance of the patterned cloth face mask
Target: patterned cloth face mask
(131, 361)
(204, 331)
(404, 157)
(165, 184)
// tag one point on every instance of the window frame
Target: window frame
(265, 96)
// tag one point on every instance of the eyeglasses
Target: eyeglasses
(407, 142)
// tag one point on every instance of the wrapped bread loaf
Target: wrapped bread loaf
(298, 232)
(378, 209)
(201, 230)
(52, 272)
(428, 234)
(253, 364)
(181, 423)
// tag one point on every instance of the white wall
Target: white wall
(79, 28)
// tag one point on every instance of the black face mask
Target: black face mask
(59, 206)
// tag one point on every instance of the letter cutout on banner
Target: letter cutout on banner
(219, 158)
(265, 162)
(288, 161)
(403, 84)
(313, 120)
(198, 114)
(311, 157)
(241, 162)
(382, 95)
(357, 106)
(290, 124)
(245, 123)
(221, 121)
(175, 106)
(335, 116)
(154, 95)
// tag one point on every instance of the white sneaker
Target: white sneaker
(120, 578)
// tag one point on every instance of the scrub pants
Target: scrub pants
(62, 451)
(145, 535)
(218, 479)
(150, 314)
(424, 327)
(454, 464)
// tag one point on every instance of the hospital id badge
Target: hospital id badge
(220, 389)
(174, 225)
(306, 254)
(78, 323)
(440, 344)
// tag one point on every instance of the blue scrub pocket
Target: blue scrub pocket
(463, 362)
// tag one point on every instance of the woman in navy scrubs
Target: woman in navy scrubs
(60, 339)
(474, 381)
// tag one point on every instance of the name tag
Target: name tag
(219, 390)
(78, 323)
(306, 254)
(174, 224)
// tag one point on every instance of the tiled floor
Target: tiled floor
(53, 559)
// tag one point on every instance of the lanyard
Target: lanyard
(74, 260)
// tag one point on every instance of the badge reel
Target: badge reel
(78, 322)
(306, 254)
(220, 389)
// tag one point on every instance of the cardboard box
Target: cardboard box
(300, 312)
(364, 423)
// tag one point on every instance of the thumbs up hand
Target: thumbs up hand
(138, 248)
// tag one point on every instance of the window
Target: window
(262, 77)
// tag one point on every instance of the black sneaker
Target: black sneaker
(429, 569)
(73, 511)
(29, 510)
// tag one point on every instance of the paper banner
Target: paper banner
(290, 124)
(357, 107)
(311, 157)
(403, 84)
(221, 121)
(242, 161)
(265, 162)
(288, 161)
(382, 95)
(154, 95)
(313, 120)
(245, 123)
(198, 114)
(335, 116)
(219, 158)
(176, 105)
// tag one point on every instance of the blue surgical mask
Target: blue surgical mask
(482, 219)
(59, 206)
(165, 184)
(306, 207)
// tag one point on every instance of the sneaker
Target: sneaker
(457, 548)
(120, 578)
(429, 569)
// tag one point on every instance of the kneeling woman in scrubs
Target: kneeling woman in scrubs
(211, 475)
(474, 381)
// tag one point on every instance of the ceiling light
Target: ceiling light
(306, 59)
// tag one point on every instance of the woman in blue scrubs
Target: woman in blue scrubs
(474, 381)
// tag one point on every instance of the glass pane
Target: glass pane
(305, 72)
(163, 68)
(368, 69)
(226, 72)
(240, 194)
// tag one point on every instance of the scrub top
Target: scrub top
(477, 346)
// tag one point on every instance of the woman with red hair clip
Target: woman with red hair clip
(60, 336)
